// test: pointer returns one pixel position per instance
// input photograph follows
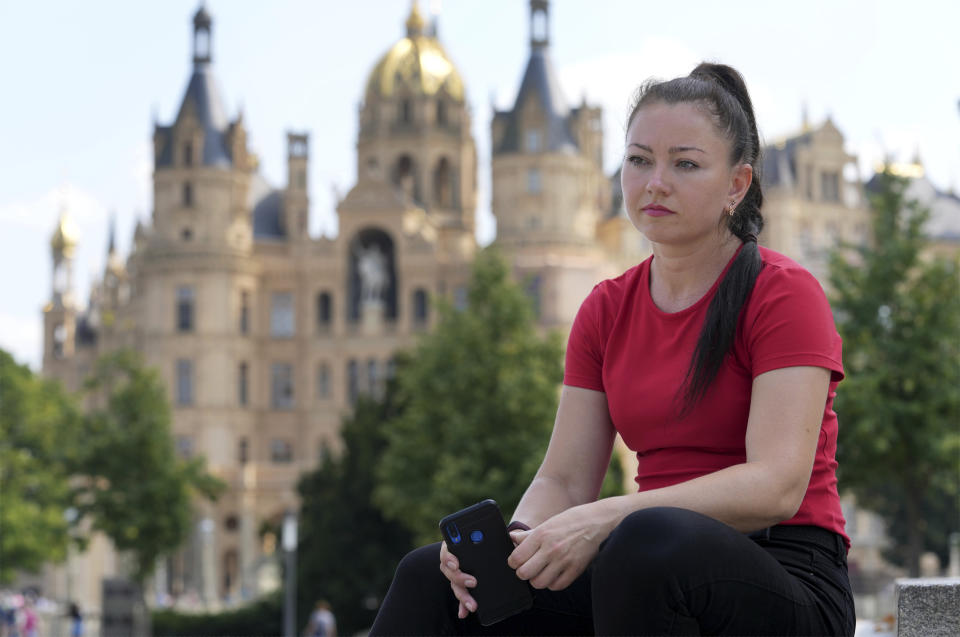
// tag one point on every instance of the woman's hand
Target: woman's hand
(559, 550)
(459, 581)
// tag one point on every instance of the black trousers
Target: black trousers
(663, 571)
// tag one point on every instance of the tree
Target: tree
(134, 487)
(348, 552)
(899, 314)
(36, 423)
(479, 398)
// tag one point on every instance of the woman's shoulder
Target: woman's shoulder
(611, 292)
(779, 269)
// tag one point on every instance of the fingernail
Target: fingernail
(471, 606)
(451, 564)
(471, 583)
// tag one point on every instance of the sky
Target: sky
(83, 83)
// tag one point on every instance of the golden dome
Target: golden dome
(65, 237)
(416, 63)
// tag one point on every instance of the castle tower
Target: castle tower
(201, 164)
(60, 314)
(296, 203)
(549, 192)
(415, 128)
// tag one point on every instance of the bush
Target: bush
(258, 619)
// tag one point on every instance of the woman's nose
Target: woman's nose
(656, 184)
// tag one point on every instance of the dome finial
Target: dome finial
(202, 24)
(64, 239)
(415, 22)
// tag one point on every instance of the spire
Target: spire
(201, 36)
(539, 24)
(111, 235)
(415, 22)
(540, 85)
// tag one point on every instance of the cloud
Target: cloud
(41, 212)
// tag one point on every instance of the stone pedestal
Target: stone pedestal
(928, 607)
(371, 317)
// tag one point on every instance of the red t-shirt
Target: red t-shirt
(622, 344)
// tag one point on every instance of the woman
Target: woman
(715, 360)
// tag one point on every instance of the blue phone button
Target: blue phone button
(476, 536)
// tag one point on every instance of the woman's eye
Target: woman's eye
(686, 164)
(637, 160)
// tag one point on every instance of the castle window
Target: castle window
(441, 112)
(281, 386)
(188, 154)
(59, 340)
(186, 234)
(244, 312)
(184, 382)
(281, 315)
(443, 184)
(534, 287)
(830, 186)
(184, 446)
(406, 112)
(420, 307)
(187, 195)
(301, 179)
(243, 383)
(324, 311)
(534, 141)
(243, 452)
(460, 298)
(533, 181)
(353, 381)
(323, 381)
(281, 451)
(185, 309)
(373, 378)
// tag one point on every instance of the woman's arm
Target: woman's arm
(571, 473)
(786, 411)
(576, 461)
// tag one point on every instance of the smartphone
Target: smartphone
(478, 537)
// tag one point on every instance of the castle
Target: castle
(265, 336)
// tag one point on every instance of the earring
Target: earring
(731, 208)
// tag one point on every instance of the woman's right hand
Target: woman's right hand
(460, 582)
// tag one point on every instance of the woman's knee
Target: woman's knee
(420, 564)
(650, 539)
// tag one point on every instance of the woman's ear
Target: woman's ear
(740, 180)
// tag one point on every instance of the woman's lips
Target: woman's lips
(654, 210)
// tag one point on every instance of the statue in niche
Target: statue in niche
(372, 267)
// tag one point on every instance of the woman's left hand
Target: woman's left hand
(557, 551)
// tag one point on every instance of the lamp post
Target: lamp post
(289, 543)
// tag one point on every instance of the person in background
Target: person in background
(76, 620)
(322, 622)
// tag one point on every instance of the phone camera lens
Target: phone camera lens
(454, 533)
(476, 536)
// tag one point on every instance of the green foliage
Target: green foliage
(899, 315)
(263, 617)
(348, 552)
(479, 396)
(37, 422)
(136, 490)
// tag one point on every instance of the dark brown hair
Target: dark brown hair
(722, 93)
